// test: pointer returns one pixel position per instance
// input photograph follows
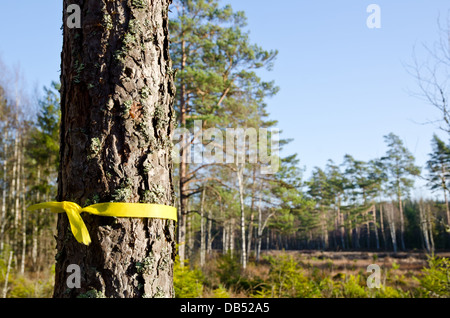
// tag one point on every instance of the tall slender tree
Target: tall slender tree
(401, 169)
(439, 170)
(212, 55)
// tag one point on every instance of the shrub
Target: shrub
(352, 288)
(228, 270)
(286, 279)
(220, 292)
(435, 280)
(187, 283)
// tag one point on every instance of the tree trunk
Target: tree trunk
(252, 208)
(402, 222)
(430, 228)
(116, 124)
(260, 231)
(382, 226)
(444, 188)
(390, 216)
(324, 231)
(424, 226)
(35, 224)
(3, 209)
(209, 238)
(184, 153)
(24, 232)
(8, 269)
(341, 225)
(225, 238)
(202, 230)
(231, 234)
(377, 241)
(240, 176)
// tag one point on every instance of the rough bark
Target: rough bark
(116, 124)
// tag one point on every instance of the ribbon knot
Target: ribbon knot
(133, 210)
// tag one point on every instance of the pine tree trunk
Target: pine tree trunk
(260, 229)
(250, 235)
(402, 222)
(341, 225)
(324, 232)
(382, 226)
(189, 233)
(252, 208)
(447, 211)
(430, 228)
(377, 240)
(116, 124)
(209, 238)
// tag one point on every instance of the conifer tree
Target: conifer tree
(401, 169)
(439, 170)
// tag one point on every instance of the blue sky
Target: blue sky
(343, 86)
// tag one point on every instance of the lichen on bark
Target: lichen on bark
(117, 118)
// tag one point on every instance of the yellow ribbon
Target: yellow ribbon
(120, 210)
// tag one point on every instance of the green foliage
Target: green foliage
(92, 294)
(229, 270)
(221, 292)
(231, 275)
(286, 279)
(353, 287)
(438, 165)
(435, 279)
(187, 283)
(399, 163)
(20, 286)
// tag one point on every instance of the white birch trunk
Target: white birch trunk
(240, 175)
(3, 209)
(390, 216)
(8, 269)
